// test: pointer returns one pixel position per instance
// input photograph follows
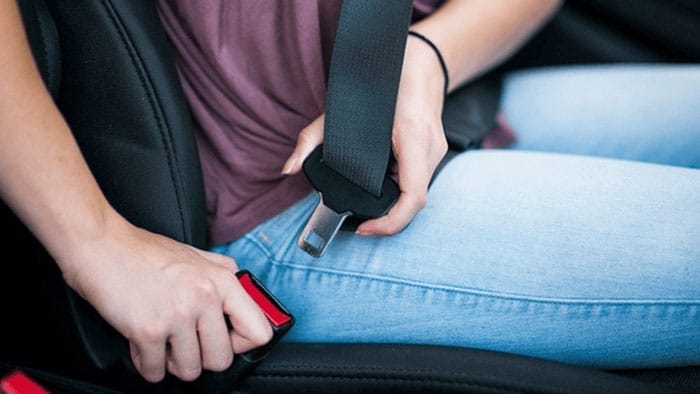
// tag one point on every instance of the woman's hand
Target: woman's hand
(170, 301)
(418, 138)
(469, 47)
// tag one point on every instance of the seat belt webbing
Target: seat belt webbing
(362, 86)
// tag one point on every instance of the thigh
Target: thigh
(638, 112)
(570, 258)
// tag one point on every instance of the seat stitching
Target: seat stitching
(494, 387)
(147, 85)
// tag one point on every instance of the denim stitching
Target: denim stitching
(473, 292)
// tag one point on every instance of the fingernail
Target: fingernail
(290, 164)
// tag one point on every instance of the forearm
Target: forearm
(43, 176)
(476, 35)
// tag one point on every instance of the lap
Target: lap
(644, 112)
(567, 246)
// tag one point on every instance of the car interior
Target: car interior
(110, 68)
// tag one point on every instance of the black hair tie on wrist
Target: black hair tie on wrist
(437, 52)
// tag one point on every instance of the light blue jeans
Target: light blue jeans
(585, 260)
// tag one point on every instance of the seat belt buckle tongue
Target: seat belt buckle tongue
(340, 199)
(321, 228)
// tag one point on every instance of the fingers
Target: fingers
(398, 217)
(214, 341)
(187, 333)
(184, 359)
(417, 156)
(180, 353)
(149, 358)
(309, 138)
(251, 329)
(414, 177)
(207, 344)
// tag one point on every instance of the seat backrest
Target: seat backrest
(602, 31)
(117, 86)
(119, 91)
(120, 94)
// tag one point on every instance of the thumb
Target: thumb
(309, 138)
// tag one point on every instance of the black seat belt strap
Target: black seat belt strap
(349, 169)
(363, 82)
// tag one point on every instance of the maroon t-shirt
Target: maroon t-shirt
(254, 73)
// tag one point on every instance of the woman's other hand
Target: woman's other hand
(418, 139)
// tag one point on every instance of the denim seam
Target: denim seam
(475, 292)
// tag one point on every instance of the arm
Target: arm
(473, 36)
(476, 35)
(153, 290)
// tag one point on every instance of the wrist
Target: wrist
(415, 35)
(422, 77)
(86, 242)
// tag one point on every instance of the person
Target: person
(564, 256)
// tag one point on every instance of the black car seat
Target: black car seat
(110, 68)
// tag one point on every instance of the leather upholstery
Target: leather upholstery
(118, 90)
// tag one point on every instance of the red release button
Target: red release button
(19, 383)
(276, 316)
